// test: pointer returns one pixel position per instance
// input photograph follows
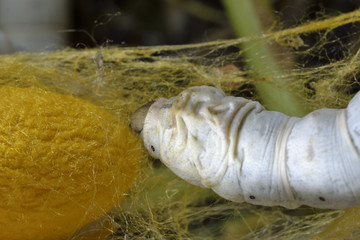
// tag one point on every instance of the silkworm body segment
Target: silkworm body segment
(245, 153)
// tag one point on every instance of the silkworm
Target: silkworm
(246, 153)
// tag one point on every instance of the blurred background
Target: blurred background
(41, 25)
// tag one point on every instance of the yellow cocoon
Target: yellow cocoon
(63, 163)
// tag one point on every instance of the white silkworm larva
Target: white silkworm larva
(245, 153)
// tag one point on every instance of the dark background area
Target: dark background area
(159, 22)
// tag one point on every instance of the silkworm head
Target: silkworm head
(138, 117)
(145, 121)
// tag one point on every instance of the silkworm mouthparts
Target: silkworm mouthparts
(138, 117)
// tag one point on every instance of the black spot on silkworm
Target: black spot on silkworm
(252, 197)
(322, 199)
(152, 148)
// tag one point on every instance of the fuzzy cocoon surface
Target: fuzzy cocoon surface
(63, 163)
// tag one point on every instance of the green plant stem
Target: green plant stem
(246, 23)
